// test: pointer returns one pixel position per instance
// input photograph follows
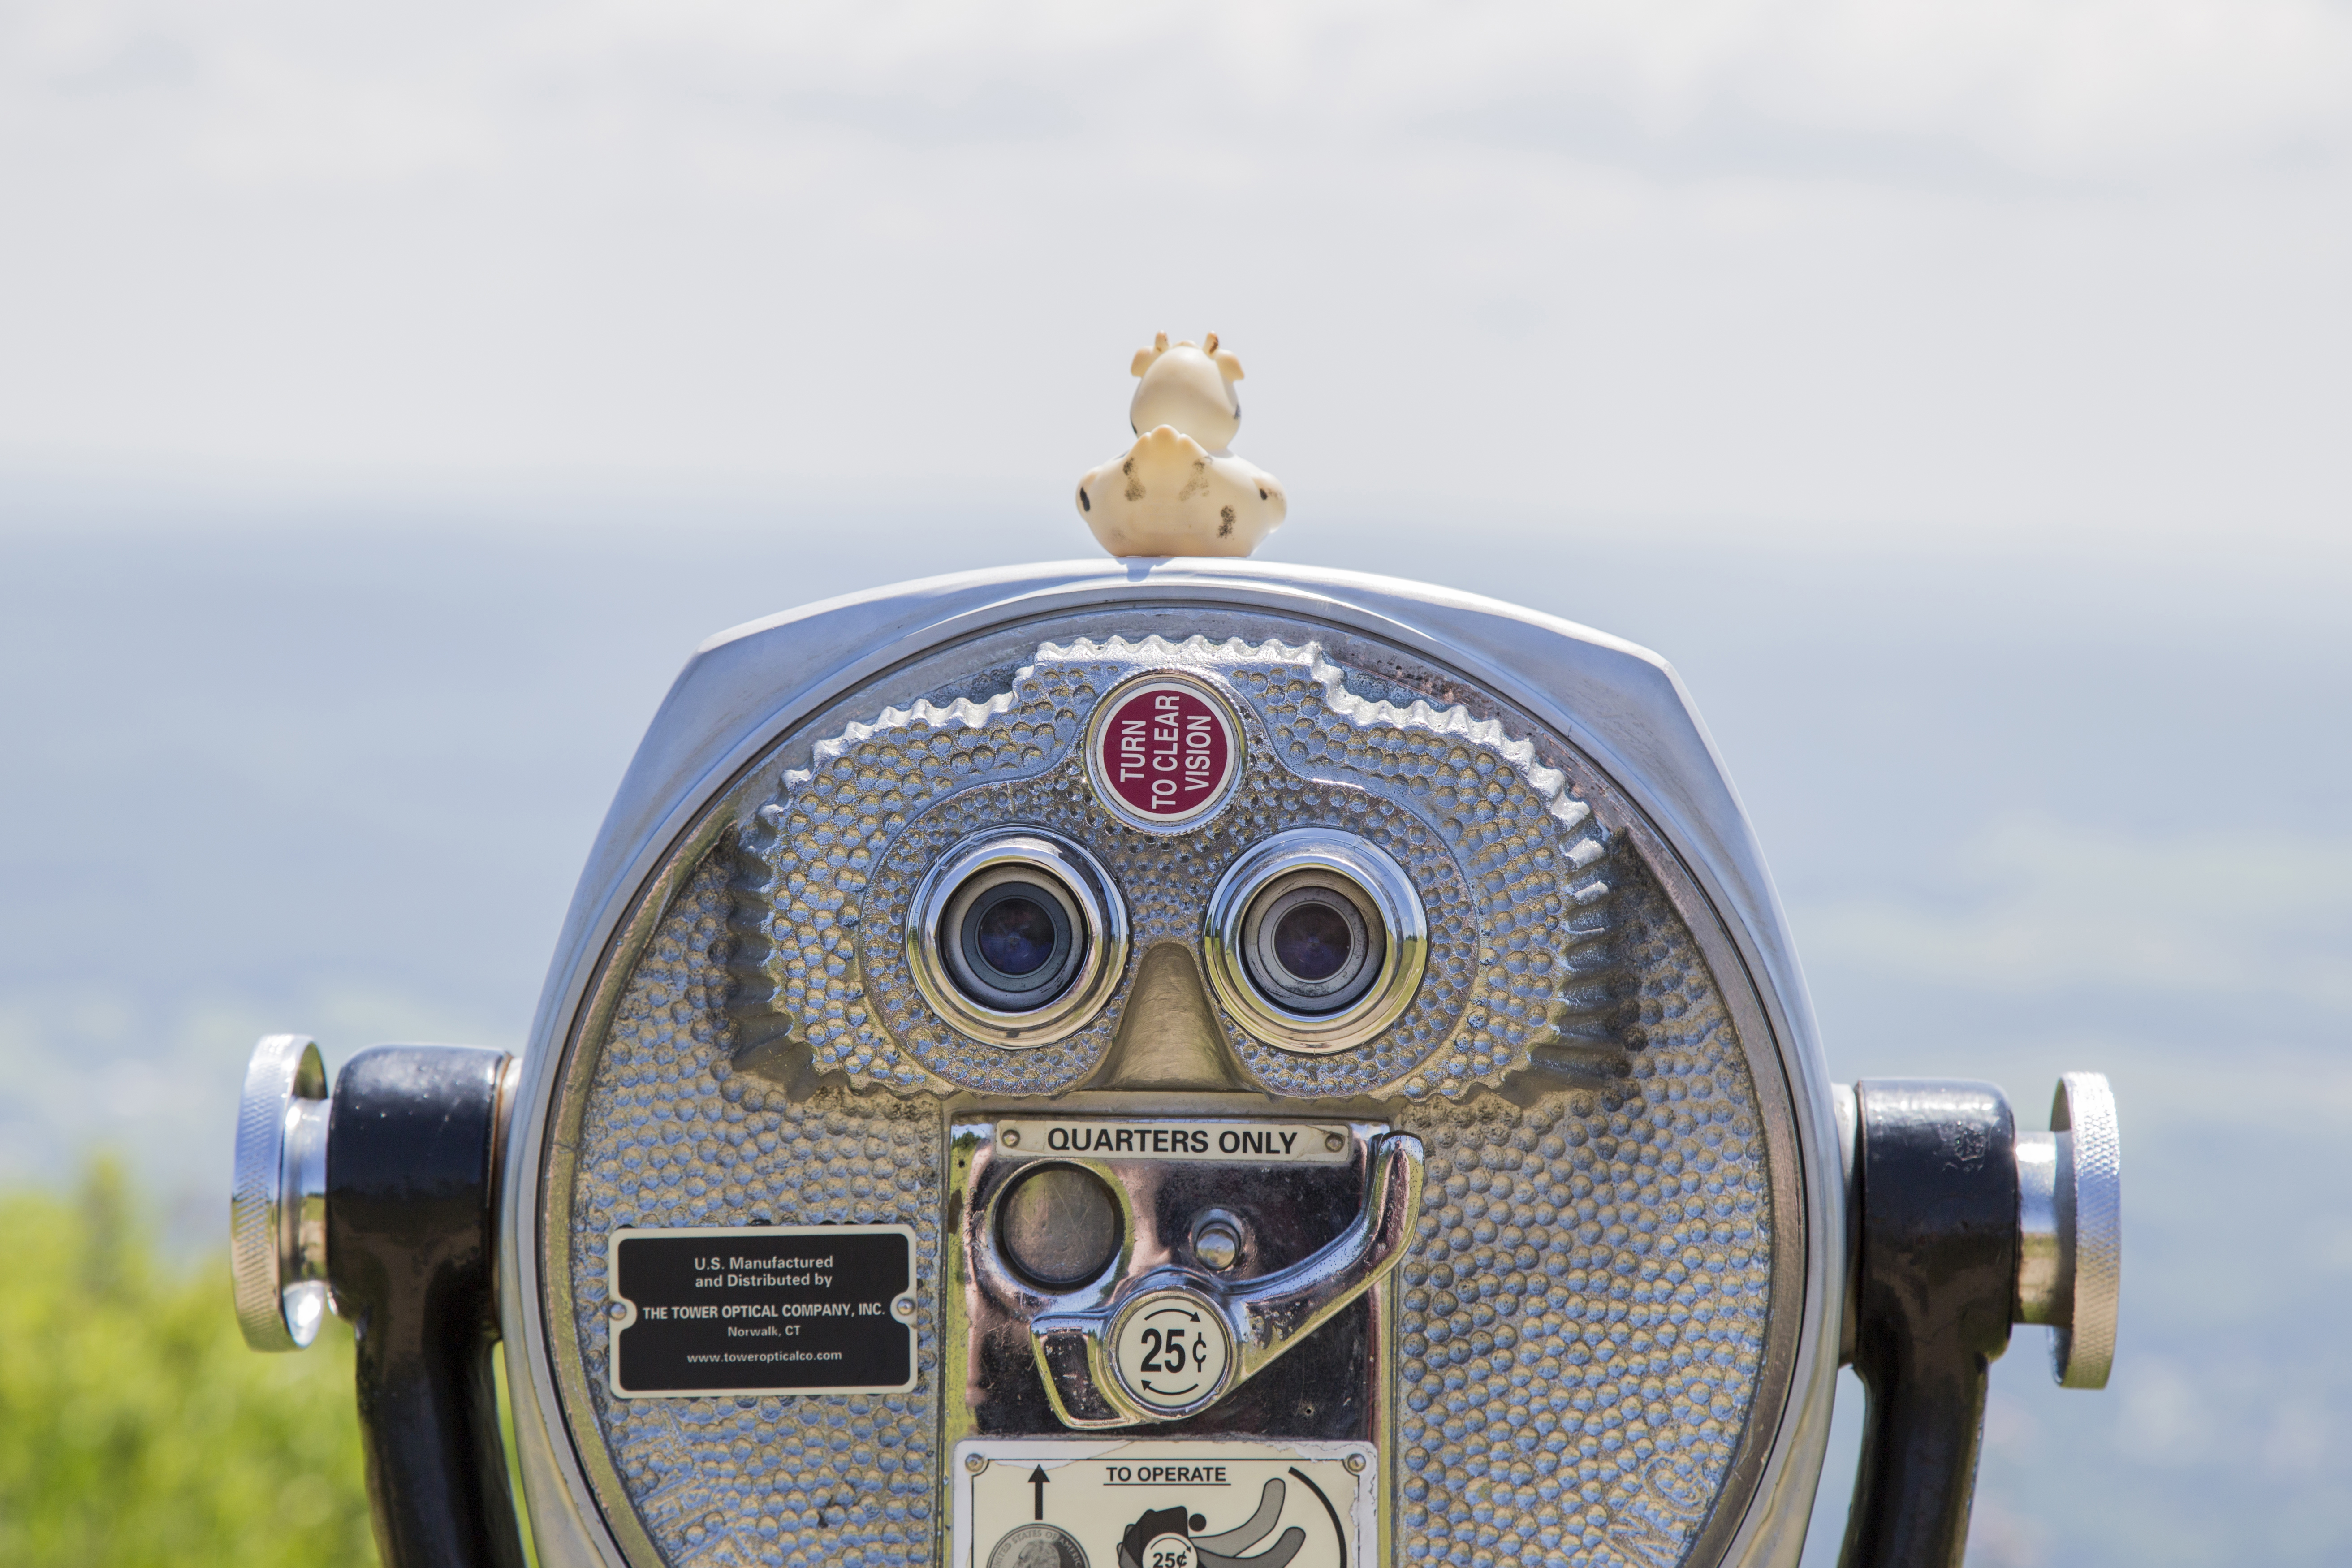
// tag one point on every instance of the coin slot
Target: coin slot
(1059, 1225)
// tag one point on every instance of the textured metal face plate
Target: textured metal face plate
(1497, 841)
(673, 1137)
(1581, 1325)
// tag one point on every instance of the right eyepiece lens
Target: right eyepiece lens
(1311, 942)
(1315, 941)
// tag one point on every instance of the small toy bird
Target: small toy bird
(1180, 490)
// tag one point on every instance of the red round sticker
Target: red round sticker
(1164, 752)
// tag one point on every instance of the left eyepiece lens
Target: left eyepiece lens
(1016, 937)
(1013, 943)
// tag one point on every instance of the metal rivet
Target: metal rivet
(1009, 1137)
(1355, 1463)
(904, 1308)
(1217, 1237)
(975, 1463)
(1334, 1142)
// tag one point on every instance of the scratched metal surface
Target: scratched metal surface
(1583, 1319)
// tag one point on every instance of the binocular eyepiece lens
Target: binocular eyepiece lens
(1309, 947)
(1014, 936)
(1315, 940)
(1013, 939)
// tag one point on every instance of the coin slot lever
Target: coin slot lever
(1094, 1362)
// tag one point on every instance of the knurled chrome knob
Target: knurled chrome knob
(2070, 1229)
(277, 1204)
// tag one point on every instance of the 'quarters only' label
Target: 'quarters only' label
(1252, 1143)
(826, 1308)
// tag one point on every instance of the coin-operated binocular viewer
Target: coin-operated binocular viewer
(1168, 1064)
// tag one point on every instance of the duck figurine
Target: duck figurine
(1180, 490)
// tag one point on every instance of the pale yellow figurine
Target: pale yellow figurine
(1180, 490)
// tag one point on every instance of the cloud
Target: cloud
(1914, 263)
(2062, 88)
(2032, 905)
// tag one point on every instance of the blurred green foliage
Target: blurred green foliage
(136, 1428)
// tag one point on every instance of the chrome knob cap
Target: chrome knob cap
(2070, 1229)
(277, 1202)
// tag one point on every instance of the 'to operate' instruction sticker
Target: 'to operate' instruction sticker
(826, 1308)
(1179, 1503)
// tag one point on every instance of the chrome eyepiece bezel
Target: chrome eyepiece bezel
(959, 877)
(1245, 902)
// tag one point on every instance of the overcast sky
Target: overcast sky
(1924, 265)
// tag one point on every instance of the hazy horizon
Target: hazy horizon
(2031, 812)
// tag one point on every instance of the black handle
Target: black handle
(1936, 1186)
(410, 1145)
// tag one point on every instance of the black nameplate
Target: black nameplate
(824, 1309)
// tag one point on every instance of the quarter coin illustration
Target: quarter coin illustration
(1038, 1546)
